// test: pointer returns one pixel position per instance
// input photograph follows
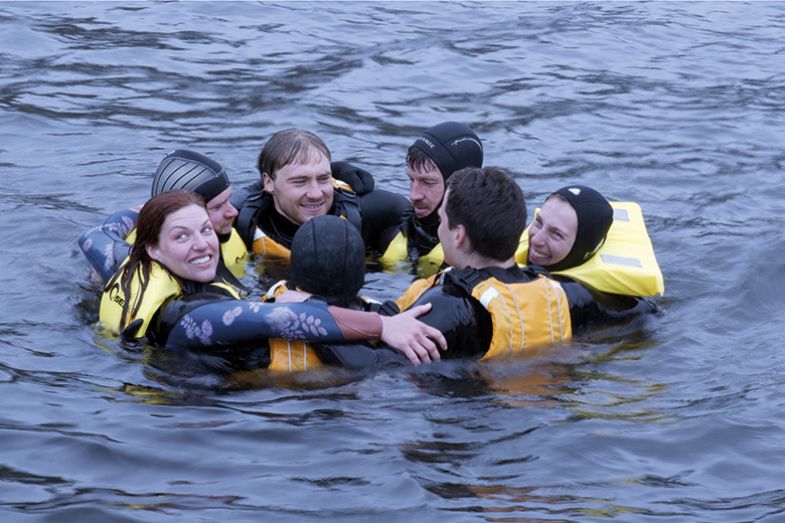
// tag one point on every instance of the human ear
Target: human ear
(268, 183)
(153, 252)
(459, 235)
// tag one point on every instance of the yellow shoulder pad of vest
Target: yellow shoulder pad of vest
(265, 246)
(340, 184)
(415, 290)
(234, 254)
(397, 254)
(625, 264)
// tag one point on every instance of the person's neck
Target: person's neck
(430, 223)
(478, 261)
(282, 224)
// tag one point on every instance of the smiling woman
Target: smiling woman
(187, 244)
(174, 291)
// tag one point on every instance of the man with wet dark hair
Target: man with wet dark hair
(485, 304)
(491, 209)
(296, 184)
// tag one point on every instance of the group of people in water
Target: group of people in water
(488, 286)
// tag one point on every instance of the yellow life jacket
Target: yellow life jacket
(265, 246)
(289, 355)
(526, 316)
(233, 252)
(625, 264)
(417, 288)
(160, 287)
(397, 252)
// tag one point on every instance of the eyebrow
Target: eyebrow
(553, 228)
(207, 221)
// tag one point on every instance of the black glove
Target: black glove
(360, 179)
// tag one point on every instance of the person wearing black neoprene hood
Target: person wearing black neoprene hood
(568, 230)
(430, 161)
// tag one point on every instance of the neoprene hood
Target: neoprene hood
(328, 259)
(182, 169)
(452, 146)
(595, 216)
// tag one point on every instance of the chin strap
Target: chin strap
(418, 240)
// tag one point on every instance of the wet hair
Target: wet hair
(287, 147)
(328, 259)
(595, 217)
(183, 169)
(491, 207)
(450, 146)
(417, 160)
(148, 229)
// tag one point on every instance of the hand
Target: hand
(361, 180)
(419, 342)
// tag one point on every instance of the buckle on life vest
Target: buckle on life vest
(467, 278)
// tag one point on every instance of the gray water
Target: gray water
(678, 106)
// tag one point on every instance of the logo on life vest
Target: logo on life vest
(115, 296)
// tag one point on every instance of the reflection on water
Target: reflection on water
(673, 105)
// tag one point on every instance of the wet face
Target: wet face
(426, 190)
(187, 245)
(553, 232)
(301, 191)
(222, 212)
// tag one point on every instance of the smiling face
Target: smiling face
(553, 232)
(222, 212)
(426, 189)
(301, 191)
(187, 245)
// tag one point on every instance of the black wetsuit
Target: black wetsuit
(374, 214)
(467, 325)
(421, 233)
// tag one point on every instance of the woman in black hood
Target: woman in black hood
(570, 228)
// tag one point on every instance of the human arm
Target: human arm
(464, 323)
(105, 247)
(239, 196)
(592, 307)
(382, 213)
(202, 321)
(401, 331)
(360, 180)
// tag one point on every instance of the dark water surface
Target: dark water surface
(678, 106)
